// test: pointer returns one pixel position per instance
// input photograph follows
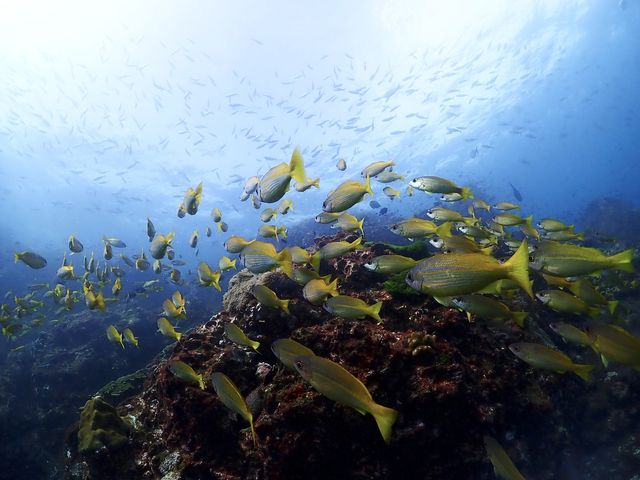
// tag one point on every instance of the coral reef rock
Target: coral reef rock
(451, 380)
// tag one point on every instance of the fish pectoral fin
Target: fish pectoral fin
(360, 410)
(604, 360)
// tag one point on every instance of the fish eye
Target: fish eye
(532, 258)
(410, 277)
(299, 365)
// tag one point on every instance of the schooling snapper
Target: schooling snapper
(296, 241)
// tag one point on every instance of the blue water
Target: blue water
(109, 113)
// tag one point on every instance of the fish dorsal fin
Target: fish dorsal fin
(605, 361)
(360, 410)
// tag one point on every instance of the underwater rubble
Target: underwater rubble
(452, 381)
(611, 220)
(75, 356)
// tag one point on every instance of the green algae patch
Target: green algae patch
(123, 387)
(417, 250)
(396, 284)
(101, 427)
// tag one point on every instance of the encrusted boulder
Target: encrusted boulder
(101, 427)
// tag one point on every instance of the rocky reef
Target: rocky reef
(611, 221)
(452, 381)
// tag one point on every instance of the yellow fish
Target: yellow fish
(130, 337)
(275, 183)
(159, 245)
(444, 275)
(171, 311)
(260, 257)
(75, 245)
(502, 464)
(265, 296)
(237, 336)
(207, 277)
(614, 343)
(117, 287)
(225, 263)
(334, 250)
(315, 291)
(232, 398)
(346, 195)
(350, 307)
(114, 336)
(165, 327)
(235, 244)
(192, 199)
(287, 350)
(545, 358)
(337, 384)
(185, 373)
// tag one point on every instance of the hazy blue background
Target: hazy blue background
(109, 111)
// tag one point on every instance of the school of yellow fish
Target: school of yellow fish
(462, 274)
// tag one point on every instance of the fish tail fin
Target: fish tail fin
(283, 231)
(385, 418)
(367, 185)
(583, 371)
(466, 193)
(580, 236)
(16, 257)
(253, 431)
(178, 336)
(487, 250)
(254, 344)
(233, 263)
(200, 382)
(519, 318)
(314, 183)
(100, 303)
(444, 230)
(470, 220)
(284, 304)
(528, 220)
(296, 167)
(612, 305)
(357, 244)
(285, 262)
(361, 226)
(333, 288)
(169, 237)
(374, 311)
(315, 261)
(593, 312)
(518, 267)
(623, 260)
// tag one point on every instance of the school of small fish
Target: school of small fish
(469, 271)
